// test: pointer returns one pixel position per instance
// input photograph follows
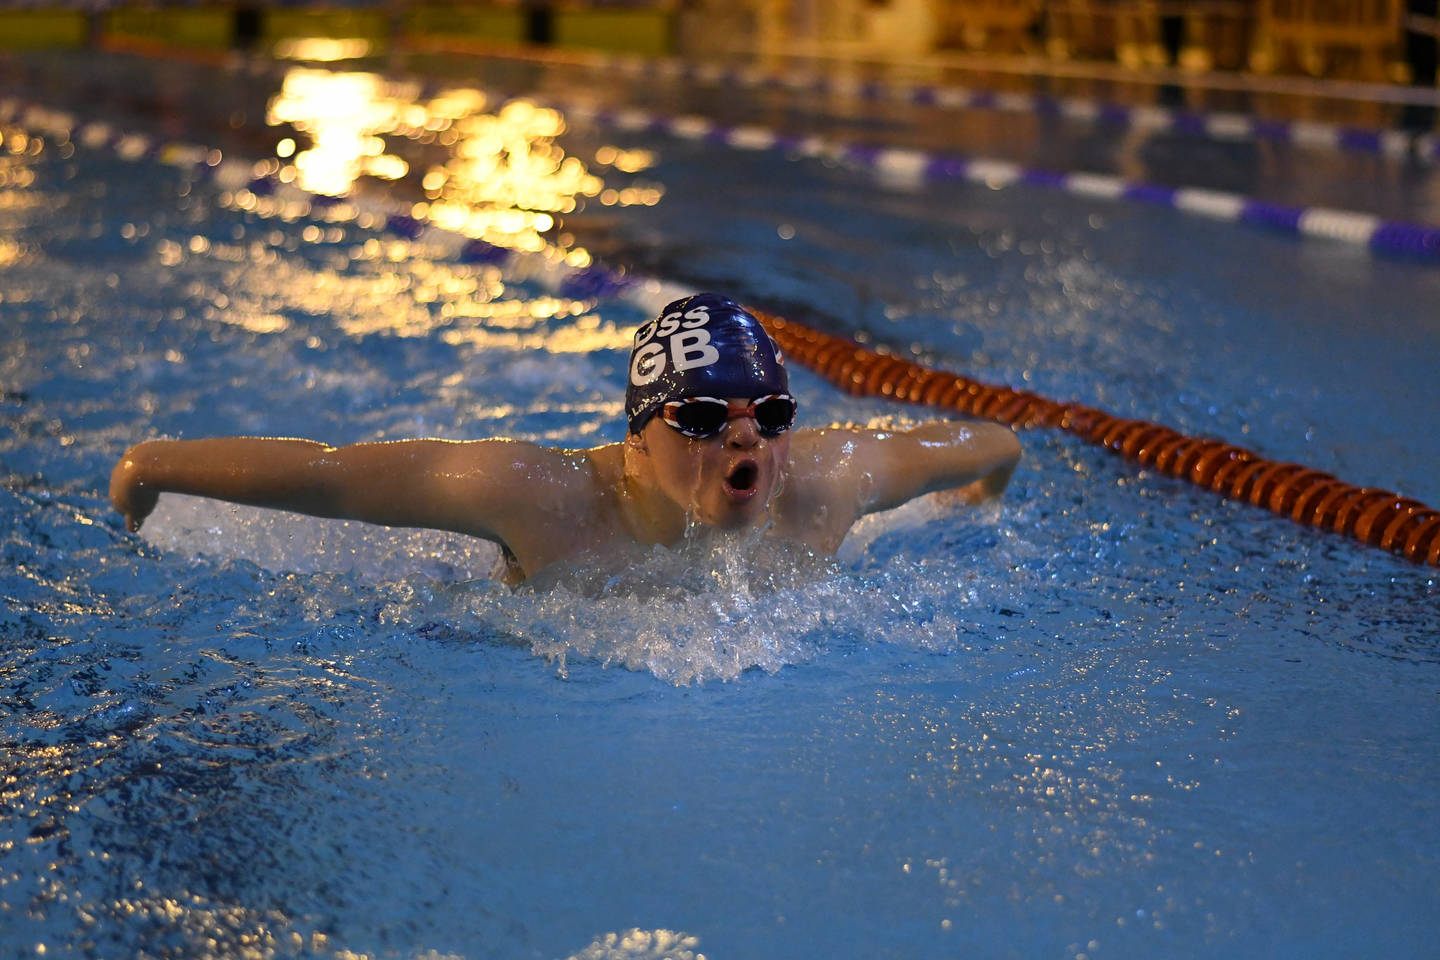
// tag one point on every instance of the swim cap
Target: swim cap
(701, 346)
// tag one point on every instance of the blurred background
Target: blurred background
(1365, 41)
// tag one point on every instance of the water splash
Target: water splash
(637, 944)
(714, 609)
(284, 542)
(711, 608)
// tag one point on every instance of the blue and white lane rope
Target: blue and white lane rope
(915, 167)
(1220, 125)
(1151, 119)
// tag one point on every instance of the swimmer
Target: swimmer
(710, 446)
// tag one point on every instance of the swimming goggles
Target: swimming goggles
(703, 417)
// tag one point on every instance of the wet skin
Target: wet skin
(544, 505)
(726, 481)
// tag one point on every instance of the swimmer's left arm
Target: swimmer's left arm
(889, 468)
(975, 458)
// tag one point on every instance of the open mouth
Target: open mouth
(742, 479)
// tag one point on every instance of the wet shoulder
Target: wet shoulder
(827, 454)
(822, 492)
(583, 478)
(559, 505)
(527, 482)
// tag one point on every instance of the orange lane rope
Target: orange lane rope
(1311, 497)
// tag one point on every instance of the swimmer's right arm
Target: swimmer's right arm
(473, 487)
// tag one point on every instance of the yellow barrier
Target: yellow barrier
(1079, 30)
(210, 28)
(648, 32)
(43, 29)
(498, 25)
(282, 24)
(645, 32)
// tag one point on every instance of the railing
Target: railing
(1360, 38)
(987, 24)
(1341, 39)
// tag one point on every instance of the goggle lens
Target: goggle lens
(700, 418)
(774, 415)
(704, 417)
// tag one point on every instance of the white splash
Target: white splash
(637, 944)
(284, 542)
(712, 608)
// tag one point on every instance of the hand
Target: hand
(129, 494)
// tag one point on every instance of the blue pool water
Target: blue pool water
(1111, 716)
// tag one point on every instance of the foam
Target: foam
(637, 944)
(713, 608)
(717, 608)
(283, 542)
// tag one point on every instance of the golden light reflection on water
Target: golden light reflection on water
(345, 115)
(502, 176)
(497, 176)
(18, 151)
(506, 178)
(10, 252)
(17, 168)
(589, 334)
(393, 288)
(626, 161)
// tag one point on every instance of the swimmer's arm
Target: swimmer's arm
(976, 459)
(889, 468)
(470, 487)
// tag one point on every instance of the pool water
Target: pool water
(1110, 715)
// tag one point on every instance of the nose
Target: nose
(742, 433)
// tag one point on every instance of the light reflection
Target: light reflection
(574, 340)
(343, 113)
(254, 322)
(15, 200)
(398, 289)
(503, 178)
(10, 252)
(497, 176)
(506, 179)
(626, 161)
(17, 172)
(323, 49)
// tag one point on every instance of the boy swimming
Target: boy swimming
(710, 445)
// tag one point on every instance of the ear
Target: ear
(636, 442)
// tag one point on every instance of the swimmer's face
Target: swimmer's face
(725, 481)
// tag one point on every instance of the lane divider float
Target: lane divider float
(892, 164)
(1402, 238)
(1311, 497)
(1376, 517)
(1154, 119)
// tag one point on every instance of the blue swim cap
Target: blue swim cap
(702, 346)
